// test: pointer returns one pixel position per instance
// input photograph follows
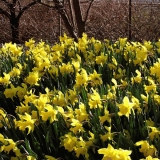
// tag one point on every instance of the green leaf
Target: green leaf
(28, 147)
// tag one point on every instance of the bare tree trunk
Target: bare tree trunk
(13, 17)
(61, 10)
(76, 24)
(72, 13)
(67, 23)
(78, 17)
(15, 30)
(14, 23)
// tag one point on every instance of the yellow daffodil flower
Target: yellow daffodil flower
(25, 121)
(33, 78)
(114, 154)
(126, 107)
(81, 78)
(49, 113)
(69, 141)
(6, 79)
(50, 157)
(95, 78)
(102, 59)
(146, 148)
(81, 113)
(94, 99)
(76, 126)
(149, 158)
(10, 92)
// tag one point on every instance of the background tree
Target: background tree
(13, 10)
(74, 20)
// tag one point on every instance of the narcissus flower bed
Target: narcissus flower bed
(89, 100)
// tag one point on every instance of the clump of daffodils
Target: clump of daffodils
(87, 99)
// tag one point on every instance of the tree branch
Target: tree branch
(25, 8)
(55, 2)
(68, 25)
(5, 13)
(14, 2)
(19, 6)
(62, 12)
(6, 3)
(78, 17)
(88, 10)
(47, 5)
(72, 13)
